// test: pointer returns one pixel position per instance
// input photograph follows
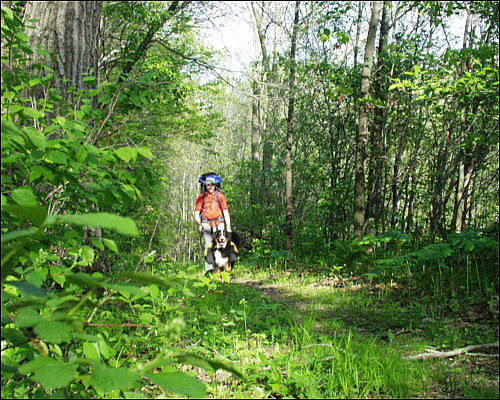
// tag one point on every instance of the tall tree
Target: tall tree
(363, 132)
(254, 149)
(68, 30)
(376, 153)
(358, 31)
(289, 134)
(465, 165)
(266, 15)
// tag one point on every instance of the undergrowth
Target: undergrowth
(290, 334)
(304, 336)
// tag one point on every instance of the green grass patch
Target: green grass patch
(305, 336)
(276, 333)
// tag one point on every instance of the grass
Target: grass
(296, 335)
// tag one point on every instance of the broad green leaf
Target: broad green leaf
(18, 234)
(35, 214)
(57, 301)
(395, 85)
(51, 374)
(106, 379)
(91, 351)
(53, 331)
(179, 383)
(38, 171)
(24, 38)
(81, 153)
(154, 291)
(9, 15)
(13, 336)
(34, 82)
(8, 128)
(90, 80)
(27, 288)
(97, 243)
(87, 254)
(36, 138)
(129, 190)
(126, 289)
(57, 157)
(24, 196)
(9, 95)
(27, 317)
(110, 244)
(126, 153)
(60, 121)
(14, 109)
(103, 347)
(145, 152)
(37, 277)
(123, 225)
(33, 113)
(83, 279)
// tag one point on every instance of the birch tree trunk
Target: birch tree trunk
(363, 133)
(70, 31)
(358, 31)
(465, 163)
(289, 137)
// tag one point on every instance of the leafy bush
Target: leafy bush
(59, 204)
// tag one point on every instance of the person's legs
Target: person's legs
(207, 237)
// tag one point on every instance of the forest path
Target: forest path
(329, 308)
(336, 305)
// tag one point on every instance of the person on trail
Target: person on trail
(210, 213)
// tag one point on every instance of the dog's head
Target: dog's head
(220, 239)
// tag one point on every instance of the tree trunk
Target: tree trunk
(289, 136)
(465, 164)
(266, 132)
(363, 133)
(464, 177)
(69, 30)
(254, 200)
(394, 187)
(377, 151)
(358, 31)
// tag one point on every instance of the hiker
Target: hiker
(211, 211)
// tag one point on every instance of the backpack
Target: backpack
(203, 186)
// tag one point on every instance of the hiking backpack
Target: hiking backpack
(202, 180)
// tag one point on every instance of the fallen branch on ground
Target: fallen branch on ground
(127, 325)
(452, 353)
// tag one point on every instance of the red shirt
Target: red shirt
(211, 209)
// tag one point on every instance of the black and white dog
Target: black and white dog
(223, 251)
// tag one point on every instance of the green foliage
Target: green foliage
(96, 197)
(59, 203)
